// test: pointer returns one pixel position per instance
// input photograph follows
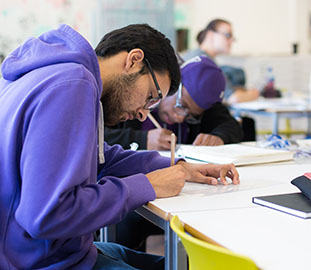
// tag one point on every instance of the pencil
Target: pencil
(173, 142)
(154, 121)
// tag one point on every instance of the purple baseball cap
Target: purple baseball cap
(203, 80)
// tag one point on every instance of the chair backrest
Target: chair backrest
(203, 255)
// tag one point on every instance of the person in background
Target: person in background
(195, 113)
(59, 181)
(216, 39)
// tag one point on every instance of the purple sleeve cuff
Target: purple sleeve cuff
(140, 191)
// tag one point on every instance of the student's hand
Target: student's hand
(159, 139)
(168, 182)
(209, 173)
(208, 139)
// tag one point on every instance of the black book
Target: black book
(295, 204)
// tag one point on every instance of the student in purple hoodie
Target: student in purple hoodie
(52, 150)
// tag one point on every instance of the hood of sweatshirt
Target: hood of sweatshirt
(58, 46)
(63, 45)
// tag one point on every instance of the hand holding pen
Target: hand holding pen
(158, 138)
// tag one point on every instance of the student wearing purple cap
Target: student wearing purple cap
(195, 113)
(217, 39)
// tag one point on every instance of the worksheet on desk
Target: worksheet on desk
(253, 178)
(198, 189)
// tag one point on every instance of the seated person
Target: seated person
(202, 120)
(195, 113)
(214, 40)
(235, 86)
(53, 94)
(236, 92)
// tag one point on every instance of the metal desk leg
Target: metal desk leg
(108, 234)
(275, 123)
(175, 255)
(182, 258)
(171, 241)
(175, 258)
(308, 135)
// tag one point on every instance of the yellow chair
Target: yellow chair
(203, 255)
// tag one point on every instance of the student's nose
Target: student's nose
(142, 114)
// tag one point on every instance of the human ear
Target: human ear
(134, 59)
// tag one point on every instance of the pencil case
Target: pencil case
(303, 183)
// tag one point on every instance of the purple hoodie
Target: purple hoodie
(50, 200)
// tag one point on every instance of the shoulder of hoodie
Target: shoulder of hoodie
(62, 76)
(69, 71)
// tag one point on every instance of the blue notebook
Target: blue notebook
(291, 203)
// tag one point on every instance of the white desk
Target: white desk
(274, 240)
(275, 108)
(228, 216)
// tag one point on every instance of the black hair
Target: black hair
(212, 26)
(157, 49)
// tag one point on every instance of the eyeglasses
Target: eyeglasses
(153, 102)
(183, 111)
(227, 35)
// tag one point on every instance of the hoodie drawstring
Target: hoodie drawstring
(101, 156)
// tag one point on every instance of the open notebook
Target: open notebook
(237, 154)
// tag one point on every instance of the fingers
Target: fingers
(223, 174)
(230, 171)
(164, 145)
(209, 173)
(213, 140)
(159, 139)
(233, 174)
(209, 180)
(168, 182)
(208, 139)
(198, 140)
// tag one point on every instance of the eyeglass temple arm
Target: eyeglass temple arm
(152, 74)
(179, 93)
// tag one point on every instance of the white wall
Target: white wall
(20, 19)
(261, 27)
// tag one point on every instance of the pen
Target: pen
(154, 121)
(173, 141)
